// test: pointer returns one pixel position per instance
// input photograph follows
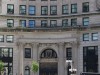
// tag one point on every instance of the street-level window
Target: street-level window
(22, 9)
(44, 23)
(32, 10)
(53, 10)
(74, 22)
(85, 21)
(73, 8)
(27, 52)
(85, 7)
(65, 22)
(23, 23)
(86, 37)
(10, 8)
(53, 23)
(65, 9)
(10, 22)
(31, 23)
(27, 70)
(10, 38)
(1, 38)
(94, 36)
(44, 10)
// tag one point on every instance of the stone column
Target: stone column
(61, 61)
(35, 54)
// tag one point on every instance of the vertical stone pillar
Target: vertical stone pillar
(35, 54)
(61, 61)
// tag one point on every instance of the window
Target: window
(86, 7)
(44, 10)
(53, 23)
(65, 9)
(27, 52)
(65, 22)
(73, 8)
(53, 10)
(31, 10)
(23, 23)
(44, 23)
(94, 36)
(86, 37)
(27, 70)
(69, 53)
(10, 22)
(9, 38)
(22, 9)
(85, 21)
(31, 23)
(1, 38)
(73, 22)
(10, 8)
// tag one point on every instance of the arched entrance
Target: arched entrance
(48, 63)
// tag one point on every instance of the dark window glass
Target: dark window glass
(27, 52)
(10, 38)
(53, 23)
(86, 37)
(94, 36)
(31, 23)
(1, 38)
(22, 9)
(90, 59)
(44, 23)
(10, 9)
(73, 22)
(86, 7)
(65, 9)
(23, 23)
(53, 10)
(85, 21)
(27, 70)
(44, 10)
(69, 53)
(73, 8)
(48, 53)
(10, 22)
(65, 22)
(31, 10)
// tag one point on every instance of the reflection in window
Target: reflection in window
(27, 70)
(48, 53)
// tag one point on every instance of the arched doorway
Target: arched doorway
(48, 67)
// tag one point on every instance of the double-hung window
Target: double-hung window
(10, 38)
(73, 8)
(1, 38)
(31, 23)
(27, 52)
(22, 9)
(23, 23)
(53, 10)
(74, 22)
(44, 10)
(65, 9)
(94, 36)
(86, 37)
(85, 7)
(44, 23)
(53, 23)
(32, 10)
(10, 8)
(65, 22)
(85, 21)
(10, 22)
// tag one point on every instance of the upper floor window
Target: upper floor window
(73, 8)
(53, 23)
(69, 53)
(65, 22)
(32, 10)
(44, 23)
(85, 21)
(31, 23)
(10, 22)
(9, 38)
(74, 22)
(86, 37)
(22, 9)
(65, 9)
(86, 7)
(53, 10)
(94, 36)
(23, 23)
(44, 10)
(27, 52)
(1, 38)
(10, 8)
